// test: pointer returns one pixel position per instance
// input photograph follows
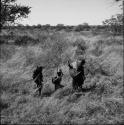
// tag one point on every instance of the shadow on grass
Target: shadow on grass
(88, 89)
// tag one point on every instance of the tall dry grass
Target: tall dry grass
(103, 104)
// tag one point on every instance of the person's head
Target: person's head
(83, 61)
(70, 65)
(60, 70)
(40, 68)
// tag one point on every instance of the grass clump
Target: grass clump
(6, 52)
(64, 92)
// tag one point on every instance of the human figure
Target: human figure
(57, 80)
(38, 78)
(77, 75)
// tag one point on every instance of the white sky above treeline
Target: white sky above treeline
(69, 12)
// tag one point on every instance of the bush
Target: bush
(92, 66)
(3, 104)
(53, 57)
(96, 66)
(24, 40)
(6, 38)
(98, 48)
(82, 46)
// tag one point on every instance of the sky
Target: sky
(69, 12)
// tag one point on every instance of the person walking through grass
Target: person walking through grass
(38, 78)
(77, 75)
(57, 80)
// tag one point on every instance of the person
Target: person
(57, 79)
(38, 78)
(80, 65)
(77, 75)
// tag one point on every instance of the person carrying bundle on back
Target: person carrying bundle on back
(57, 79)
(77, 74)
(38, 78)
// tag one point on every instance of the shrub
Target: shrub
(82, 46)
(24, 40)
(98, 48)
(2, 41)
(92, 66)
(3, 104)
(53, 57)
(96, 66)
(6, 38)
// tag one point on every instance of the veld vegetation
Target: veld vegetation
(27, 48)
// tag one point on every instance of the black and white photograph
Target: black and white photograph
(61, 62)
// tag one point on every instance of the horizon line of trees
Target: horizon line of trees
(11, 12)
(109, 25)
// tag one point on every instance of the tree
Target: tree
(114, 23)
(118, 0)
(79, 27)
(60, 26)
(86, 26)
(11, 12)
(82, 27)
(39, 26)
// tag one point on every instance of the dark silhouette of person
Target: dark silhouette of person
(81, 76)
(38, 78)
(57, 80)
(77, 75)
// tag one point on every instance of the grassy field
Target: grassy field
(23, 50)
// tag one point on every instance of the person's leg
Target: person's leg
(39, 91)
(59, 83)
(80, 88)
(61, 86)
(56, 87)
(40, 88)
(74, 84)
(81, 82)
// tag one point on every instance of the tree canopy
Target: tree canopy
(11, 11)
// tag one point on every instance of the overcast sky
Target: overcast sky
(69, 12)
